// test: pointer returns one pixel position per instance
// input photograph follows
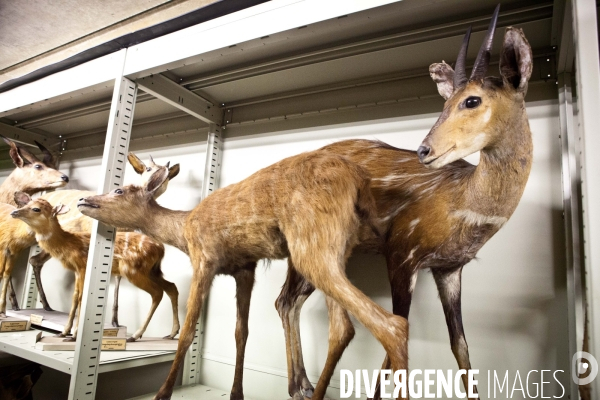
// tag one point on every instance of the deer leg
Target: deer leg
(8, 262)
(448, 282)
(13, 296)
(341, 332)
(115, 309)
(403, 281)
(73, 311)
(145, 283)
(202, 278)
(326, 272)
(79, 285)
(171, 290)
(244, 280)
(295, 291)
(37, 262)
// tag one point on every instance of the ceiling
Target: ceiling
(368, 65)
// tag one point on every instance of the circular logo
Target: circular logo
(584, 368)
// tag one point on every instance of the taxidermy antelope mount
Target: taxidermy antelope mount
(312, 208)
(74, 221)
(440, 211)
(136, 256)
(30, 176)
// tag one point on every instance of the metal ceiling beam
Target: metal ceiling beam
(172, 93)
(513, 17)
(26, 137)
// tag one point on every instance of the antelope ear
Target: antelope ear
(173, 171)
(136, 163)
(22, 198)
(60, 209)
(516, 61)
(156, 180)
(27, 156)
(14, 153)
(443, 76)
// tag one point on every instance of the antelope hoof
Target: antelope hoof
(60, 335)
(70, 339)
(2, 315)
(307, 393)
(48, 308)
(16, 308)
(160, 396)
(131, 339)
(169, 337)
(235, 396)
(115, 324)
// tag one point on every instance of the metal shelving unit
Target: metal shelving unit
(258, 70)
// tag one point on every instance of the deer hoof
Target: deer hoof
(131, 339)
(115, 324)
(69, 339)
(307, 393)
(2, 315)
(48, 308)
(169, 337)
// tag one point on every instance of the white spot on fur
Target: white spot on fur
(413, 282)
(475, 218)
(411, 254)
(412, 225)
(487, 116)
(40, 237)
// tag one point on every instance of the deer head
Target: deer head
(147, 171)
(32, 174)
(125, 207)
(479, 110)
(36, 213)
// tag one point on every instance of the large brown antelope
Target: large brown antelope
(437, 209)
(136, 257)
(74, 221)
(312, 208)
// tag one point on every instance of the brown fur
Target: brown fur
(312, 208)
(136, 257)
(439, 215)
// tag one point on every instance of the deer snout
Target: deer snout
(65, 178)
(15, 213)
(423, 151)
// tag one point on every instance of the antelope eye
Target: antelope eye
(38, 166)
(148, 169)
(35, 209)
(118, 191)
(472, 102)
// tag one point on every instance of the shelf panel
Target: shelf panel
(192, 392)
(22, 344)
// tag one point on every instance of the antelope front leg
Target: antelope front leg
(448, 282)
(201, 280)
(37, 262)
(295, 291)
(13, 296)
(244, 281)
(115, 309)
(74, 306)
(79, 285)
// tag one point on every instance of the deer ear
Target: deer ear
(60, 209)
(443, 76)
(136, 163)
(27, 155)
(22, 198)
(173, 171)
(49, 158)
(156, 180)
(14, 153)
(516, 61)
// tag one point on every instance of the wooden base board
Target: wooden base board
(12, 324)
(53, 343)
(56, 321)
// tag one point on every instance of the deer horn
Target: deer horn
(460, 76)
(483, 57)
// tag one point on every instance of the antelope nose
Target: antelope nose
(65, 178)
(423, 151)
(82, 199)
(14, 213)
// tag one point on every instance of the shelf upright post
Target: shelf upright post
(84, 375)
(30, 293)
(212, 171)
(588, 84)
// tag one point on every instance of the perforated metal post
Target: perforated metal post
(84, 374)
(30, 291)
(212, 170)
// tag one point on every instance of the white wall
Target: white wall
(514, 301)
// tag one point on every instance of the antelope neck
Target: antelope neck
(166, 226)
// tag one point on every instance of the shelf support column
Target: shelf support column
(84, 374)
(212, 172)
